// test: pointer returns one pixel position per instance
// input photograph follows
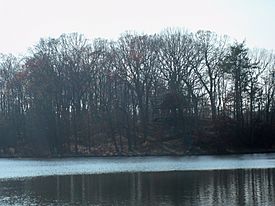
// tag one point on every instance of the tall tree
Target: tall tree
(237, 63)
(135, 60)
(177, 59)
(212, 49)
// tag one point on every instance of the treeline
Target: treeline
(71, 95)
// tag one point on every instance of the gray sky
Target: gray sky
(24, 22)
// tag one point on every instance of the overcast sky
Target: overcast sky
(24, 22)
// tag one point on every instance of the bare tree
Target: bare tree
(212, 49)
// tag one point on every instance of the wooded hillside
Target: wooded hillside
(175, 92)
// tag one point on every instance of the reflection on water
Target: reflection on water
(230, 187)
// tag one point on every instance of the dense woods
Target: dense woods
(175, 92)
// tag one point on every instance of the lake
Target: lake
(191, 180)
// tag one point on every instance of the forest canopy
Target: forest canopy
(139, 93)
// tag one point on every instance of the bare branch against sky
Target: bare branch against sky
(24, 22)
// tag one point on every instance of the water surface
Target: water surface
(241, 180)
(18, 168)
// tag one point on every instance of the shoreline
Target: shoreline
(136, 155)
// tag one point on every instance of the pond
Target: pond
(194, 180)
